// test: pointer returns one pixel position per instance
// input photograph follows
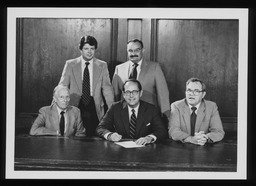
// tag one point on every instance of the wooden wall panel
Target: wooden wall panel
(207, 49)
(47, 44)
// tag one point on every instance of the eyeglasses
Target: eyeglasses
(196, 92)
(134, 92)
(134, 51)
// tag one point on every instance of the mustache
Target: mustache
(134, 56)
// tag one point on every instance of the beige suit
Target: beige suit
(47, 122)
(72, 77)
(208, 120)
(151, 77)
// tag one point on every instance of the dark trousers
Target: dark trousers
(89, 117)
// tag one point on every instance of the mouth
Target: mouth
(191, 98)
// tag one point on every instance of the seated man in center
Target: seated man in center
(132, 118)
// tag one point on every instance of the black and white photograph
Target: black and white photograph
(126, 93)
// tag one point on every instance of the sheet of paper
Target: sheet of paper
(128, 144)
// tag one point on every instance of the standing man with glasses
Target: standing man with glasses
(150, 75)
(132, 118)
(194, 119)
(88, 80)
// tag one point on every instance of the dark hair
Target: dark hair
(88, 39)
(135, 41)
(193, 79)
(134, 81)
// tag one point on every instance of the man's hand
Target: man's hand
(144, 140)
(199, 139)
(115, 137)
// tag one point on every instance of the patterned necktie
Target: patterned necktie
(193, 121)
(133, 124)
(86, 85)
(133, 75)
(62, 123)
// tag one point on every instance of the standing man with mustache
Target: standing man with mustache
(194, 119)
(148, 73)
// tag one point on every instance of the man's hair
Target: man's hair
(60, 87)
(193, 79)
(135, 41)
(88, 39)
(134, 81)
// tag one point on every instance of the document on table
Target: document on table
(129, 144)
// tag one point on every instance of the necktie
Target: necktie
(133, 75)
(132, 124)
(193, 121)
(62, 123)
(86, 86)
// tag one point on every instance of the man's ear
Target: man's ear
(141, 93)
(204, 93)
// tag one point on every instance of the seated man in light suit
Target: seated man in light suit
(207, 125)
(132, 118)
(60, 118)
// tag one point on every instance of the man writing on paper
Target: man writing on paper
(132, 118)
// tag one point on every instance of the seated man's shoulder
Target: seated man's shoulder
(148, 105)
(179, 103)
(73, 108)
(209, 103)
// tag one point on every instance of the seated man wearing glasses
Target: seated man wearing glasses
(194, 119)
(132, 118)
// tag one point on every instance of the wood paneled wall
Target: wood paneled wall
(207, 49)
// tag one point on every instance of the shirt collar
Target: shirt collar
(139, 63)
(197, 106)
(136, 108)
(60, 110)
(83, 61)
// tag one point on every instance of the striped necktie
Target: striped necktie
(86, 85)
(133, 124)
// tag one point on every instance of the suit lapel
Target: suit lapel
(200, 116)
(96, 73)
(54, 118)
(186, 116)
(125, 116)
(67, 121)
(78, 74)
(143, 70)
(140, 117)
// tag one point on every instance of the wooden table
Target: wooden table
(96, 154)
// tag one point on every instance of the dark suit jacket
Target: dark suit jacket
(152, 79)
(117, 120)
(47, 122)
(72, 77)
(208, 120)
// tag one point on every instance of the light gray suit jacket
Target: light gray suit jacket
(151, 77)
(208, 120)
(72, 77)
(47, 122)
